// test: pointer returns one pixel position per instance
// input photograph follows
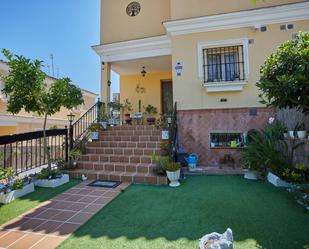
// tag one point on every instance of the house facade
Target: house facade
(205, 55)
(27, 122)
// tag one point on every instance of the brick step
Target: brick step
(118, 133)
(132, 127)
(115, 144)
(116, 158)
(119, 176)
(118, 167)
(130, 138)
(122, 151)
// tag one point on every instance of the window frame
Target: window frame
(219, 86)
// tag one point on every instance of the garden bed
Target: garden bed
(52, 183)
(11, 196)
(277, 181)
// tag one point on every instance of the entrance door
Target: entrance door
(167, 96)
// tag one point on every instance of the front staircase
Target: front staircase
(122, 153)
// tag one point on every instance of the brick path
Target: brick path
(52, 222)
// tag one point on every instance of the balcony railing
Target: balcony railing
(25, 151)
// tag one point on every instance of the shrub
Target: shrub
(6, 173)
(74, 154)
(285, 75)
(48, 174)
(161, 164)
(96, 127)
(18, 184)
(173, 166)
(150, 110)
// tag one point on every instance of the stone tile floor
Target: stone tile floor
(53, 221)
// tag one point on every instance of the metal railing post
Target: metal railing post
(66, 145)
(71, 136)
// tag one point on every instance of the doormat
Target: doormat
(105, 184)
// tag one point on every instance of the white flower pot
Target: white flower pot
(276, 181)
(9, 197)
(94, 135)
(291, 134)
(165, 135)
(104, 125)
(173, 176)
(251, 174)
(301, 134)
(53, 183)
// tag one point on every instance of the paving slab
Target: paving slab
(49, 224)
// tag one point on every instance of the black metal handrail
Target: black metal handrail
(79, 128)
(173, 133)
(25, 151)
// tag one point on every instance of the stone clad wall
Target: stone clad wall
(195, 126)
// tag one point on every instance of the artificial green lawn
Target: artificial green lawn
(260, 215)
(27, 202)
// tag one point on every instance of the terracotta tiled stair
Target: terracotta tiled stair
(123, 153)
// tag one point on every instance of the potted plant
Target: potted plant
(150, 110)
(161, 164)
(173, 173)
(104, 121)
(103, 118)
(94, 130)
(165, 146)
(51, 178)
(227, 160)
(12, 188)
(73, 156)
(301, 131)
(126, 109)
(162, 123)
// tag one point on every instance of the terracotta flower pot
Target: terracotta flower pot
(151, 120)
(127, 118)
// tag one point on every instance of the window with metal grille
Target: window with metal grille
(224, 64)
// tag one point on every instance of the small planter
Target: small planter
(94, 135)
(151, 120)
(301, 134)
(276, 181)
(165, 135)
(9, 197)
(52, 183)
(104, 125)
(251, 174)
(127, 119)
(291, 134)
(173, 176)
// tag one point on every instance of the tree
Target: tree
(284, 78)
(26, 89)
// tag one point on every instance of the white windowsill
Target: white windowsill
(227, 86)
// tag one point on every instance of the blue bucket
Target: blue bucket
(192, 160)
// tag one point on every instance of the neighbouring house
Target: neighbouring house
(203, 54)
(27, 122)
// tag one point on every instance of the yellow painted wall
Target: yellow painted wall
(188, 90)
(117, 26)
(89, 101)
(7, 130)
(181, 9)
(151, 82)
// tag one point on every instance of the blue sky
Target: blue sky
(65, 28)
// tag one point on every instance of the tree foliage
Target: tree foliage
(285, 75)
(26, 88)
